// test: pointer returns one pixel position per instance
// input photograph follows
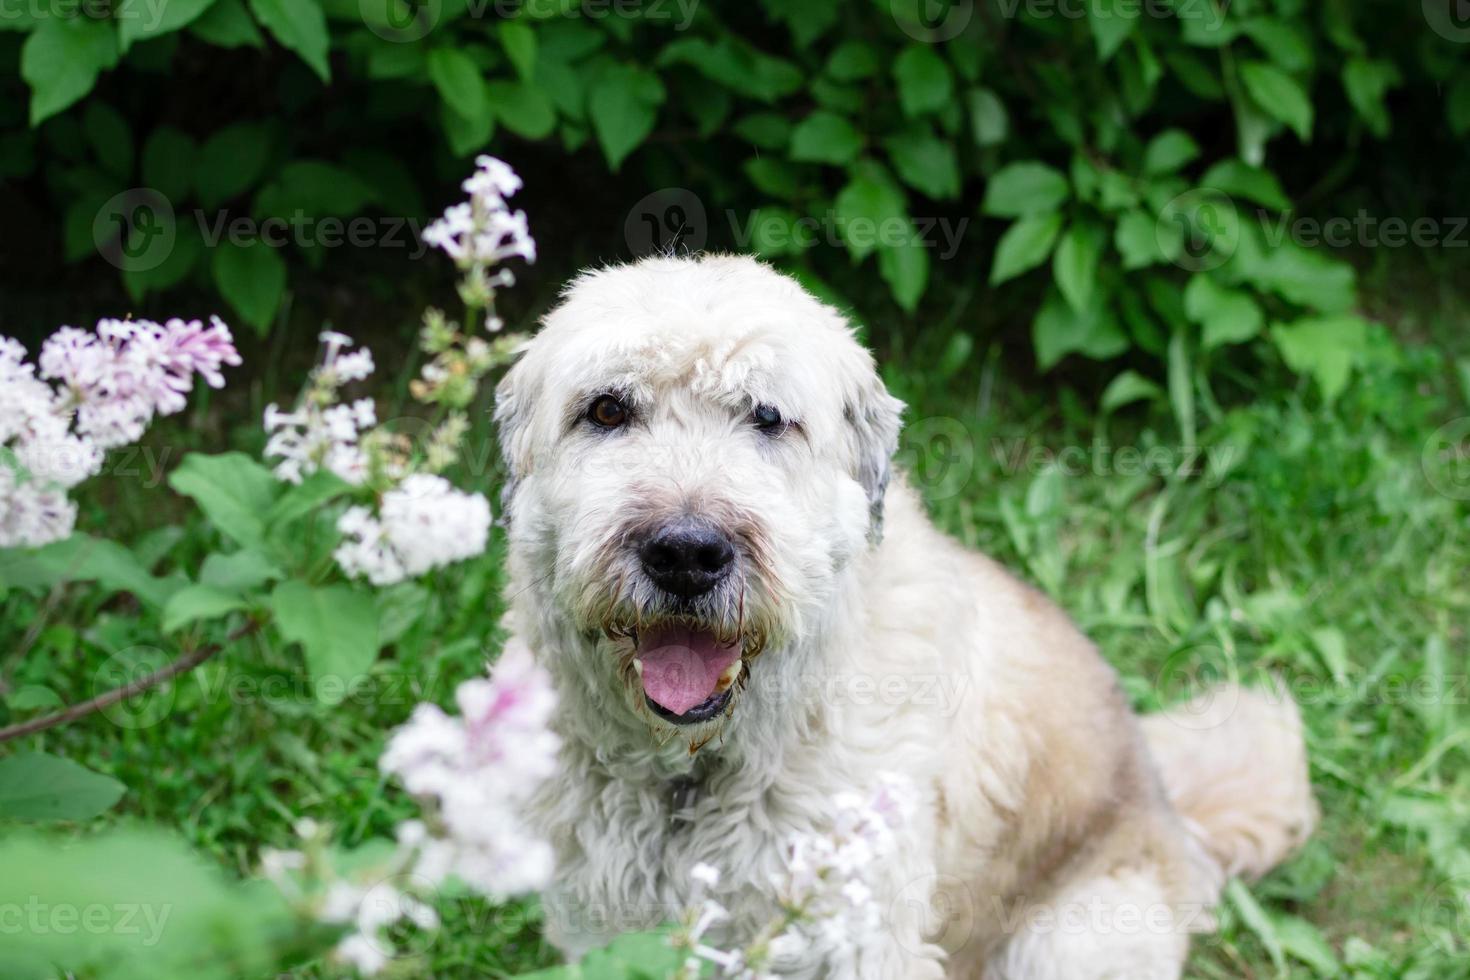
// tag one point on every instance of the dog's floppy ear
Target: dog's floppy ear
(512, 425)
(874, 417)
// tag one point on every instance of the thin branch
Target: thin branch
(185, 663)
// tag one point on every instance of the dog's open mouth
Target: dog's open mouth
(687, 673)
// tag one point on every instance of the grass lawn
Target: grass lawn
(1327, 546)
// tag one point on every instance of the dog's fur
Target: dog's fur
(1056, 836)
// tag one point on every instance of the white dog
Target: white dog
(743, 617)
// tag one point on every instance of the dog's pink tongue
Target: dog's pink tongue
(682, 667)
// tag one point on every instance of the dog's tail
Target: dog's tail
(1234, 764)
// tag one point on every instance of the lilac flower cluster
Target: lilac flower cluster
(473, 775)
(94, 391)
(483, 231)
(824, 891)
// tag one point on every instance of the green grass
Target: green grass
(1323, 554)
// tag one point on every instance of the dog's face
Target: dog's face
(698, 449)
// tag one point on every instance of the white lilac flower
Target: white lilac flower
(422, 524)
(478, 770)
(825, 889)
(483, 231)
(321, 434)
(362, 954)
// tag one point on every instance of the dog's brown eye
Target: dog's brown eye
(767, 418)
(607, 412)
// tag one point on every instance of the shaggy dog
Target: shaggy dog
(745, 618)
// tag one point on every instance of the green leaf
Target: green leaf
(38, 786)
(1457, 105)
(1300, 939)
(81, 558)
(1239, 179)
(142, 20)
(165, 913)
(465, 135)
(1074, 266)
(306, 497)
(230, 161)
(62, 59)
(1168, 152)
(1112, 21)
(1059, 330)
(239, 571)
(252, 277)
(337, 628)
(1279, 95)
(904, 265)
(1181, 386)
(457, 79)
(735, 65)
(1308, 278)
(181, 260)
(1367, 82)
(519, 42)
(852, 61)
(767, 130)
(299, 25)
(924, 82)
(170, 158)
(1228, 316)
(313, 187)
(1138, 240)
(624, 105)
(234, 491)
(196, 602)
(1127, 388)
(33, 697)
(871, 201)
(988, 119)
(1325, 347)
(227, 24)
(110, 138)
(1024, 188)
(825, 137)
(1284, 42)
(1257, 921)
(1025, 245)
(926, 163)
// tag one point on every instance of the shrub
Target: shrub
(1120, 150)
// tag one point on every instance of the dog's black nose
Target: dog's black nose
(687, 559)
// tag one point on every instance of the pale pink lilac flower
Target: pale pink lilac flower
(483, 231)
(104, 388)
(478, 771)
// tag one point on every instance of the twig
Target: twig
(185, 663)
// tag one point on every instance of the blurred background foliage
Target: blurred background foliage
(1134, 171)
